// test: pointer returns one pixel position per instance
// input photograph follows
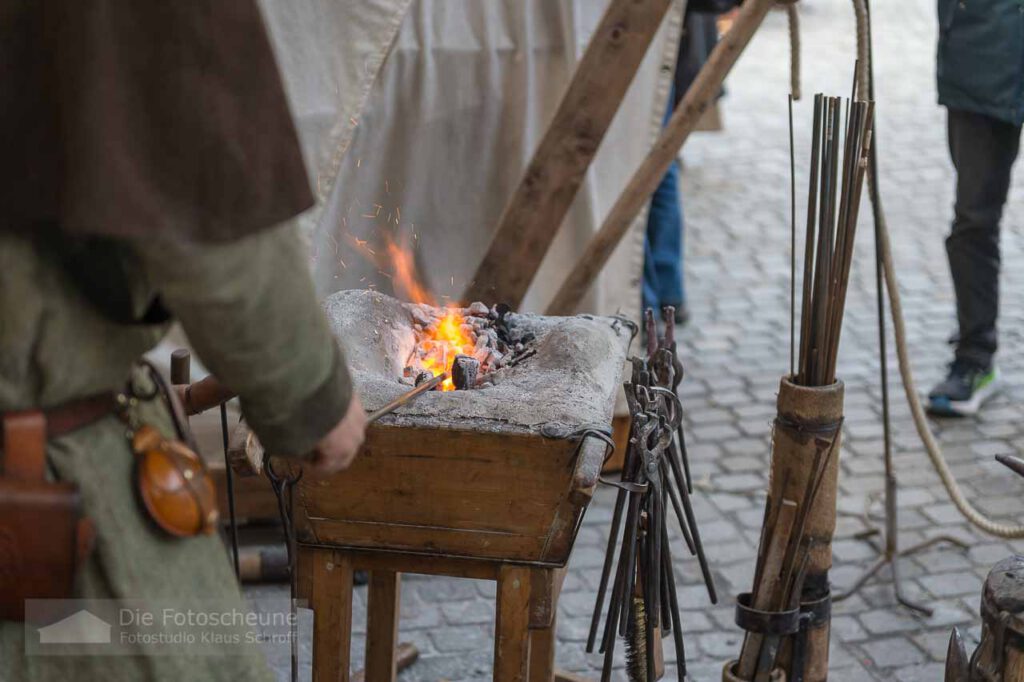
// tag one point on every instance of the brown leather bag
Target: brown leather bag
(44, 537)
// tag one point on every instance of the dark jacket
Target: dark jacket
(981, 57)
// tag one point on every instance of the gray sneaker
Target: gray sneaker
(964, 390)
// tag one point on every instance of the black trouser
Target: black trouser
(983, 151)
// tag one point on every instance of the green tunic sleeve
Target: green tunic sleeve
(250, 311)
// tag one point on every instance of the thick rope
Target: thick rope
(938, 461)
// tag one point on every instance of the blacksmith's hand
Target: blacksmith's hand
(336, 451)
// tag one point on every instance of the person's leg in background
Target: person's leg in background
(664, 278)
(663, 247)
(663, 243)
(983, 150)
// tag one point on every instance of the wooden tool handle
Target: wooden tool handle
(181, 363)
(203, 394)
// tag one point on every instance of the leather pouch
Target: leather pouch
(44, 538)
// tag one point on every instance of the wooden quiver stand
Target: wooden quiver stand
(1000, 654)
(791, 601)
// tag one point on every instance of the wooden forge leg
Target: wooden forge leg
(512, 629)
(382, 626)
(332, 615)
(542, 653)
(545, 586)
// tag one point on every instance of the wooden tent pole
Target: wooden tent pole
(699, 96)
(535, 211)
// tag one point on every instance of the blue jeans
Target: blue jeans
(663, 245)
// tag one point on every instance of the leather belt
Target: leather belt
(29, 429)
(78, 414)
(25, 432)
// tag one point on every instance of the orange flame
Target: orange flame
(449, 340)
(405, 278)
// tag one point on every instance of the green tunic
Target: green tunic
(250, 312)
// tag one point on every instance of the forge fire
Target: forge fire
(558, 374)
(470, 344)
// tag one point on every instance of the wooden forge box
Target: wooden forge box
(503, 472)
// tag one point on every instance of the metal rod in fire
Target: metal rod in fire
(407, 397)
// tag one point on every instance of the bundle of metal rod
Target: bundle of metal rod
(839, 161)
(643, 605)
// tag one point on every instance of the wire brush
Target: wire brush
(636, 642)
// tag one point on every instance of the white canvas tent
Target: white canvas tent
(426, 112)
(417, 118)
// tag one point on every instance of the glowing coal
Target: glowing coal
(476, 332)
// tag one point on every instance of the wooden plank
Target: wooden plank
(382, 625)
(447, 491)
(429, 541)
(535, 211)
(702, 92)
(411, 489)
(478, 569)
(511, 633)
(452, 479)
(332, 616)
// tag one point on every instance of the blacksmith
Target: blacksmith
(150, 168)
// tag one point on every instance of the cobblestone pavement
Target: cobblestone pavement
(736, 196)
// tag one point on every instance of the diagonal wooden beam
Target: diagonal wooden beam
(634, 197)
(535, 211)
